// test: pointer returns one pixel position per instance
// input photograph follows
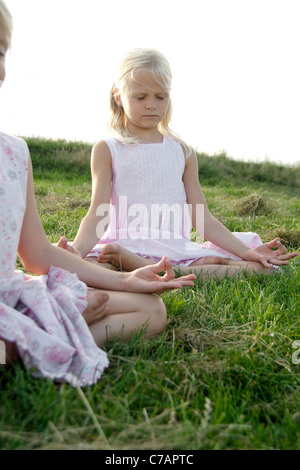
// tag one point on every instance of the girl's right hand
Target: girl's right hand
(63, 243)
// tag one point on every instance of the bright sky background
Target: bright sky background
(235, 64)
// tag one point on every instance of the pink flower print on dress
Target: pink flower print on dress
(12, 175)
(8, 150)
(4, 295)
(13, 226)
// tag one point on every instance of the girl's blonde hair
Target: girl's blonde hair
(6, 19)
(159, 69)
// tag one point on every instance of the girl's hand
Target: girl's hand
(147, 280)
(97, 307)
(63, 243)
(266, 256)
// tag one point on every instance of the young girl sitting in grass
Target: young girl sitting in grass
(149, 177)
(43, 319)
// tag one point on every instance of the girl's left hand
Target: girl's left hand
(96, 308)
(266, 256)
(147, 279)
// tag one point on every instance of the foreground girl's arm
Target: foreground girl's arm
(218, 234)
(38, 255)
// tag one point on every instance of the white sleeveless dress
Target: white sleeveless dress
(149, 214)
(40, 314)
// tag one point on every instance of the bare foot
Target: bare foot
(63, 243)
(209, 260)
(97, 307)
(123, 258)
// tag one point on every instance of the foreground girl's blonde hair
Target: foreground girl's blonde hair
(5, 19)
(159, 69)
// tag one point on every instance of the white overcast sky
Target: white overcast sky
(235, 67)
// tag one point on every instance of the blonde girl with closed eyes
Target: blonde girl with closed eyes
(149, 178)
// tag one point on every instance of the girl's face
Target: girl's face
(4, 43)
(145, 103)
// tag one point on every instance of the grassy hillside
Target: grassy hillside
(263, 197)
(223, 375)
(74, 157)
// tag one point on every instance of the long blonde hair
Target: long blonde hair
(159, 69)
(6, 19)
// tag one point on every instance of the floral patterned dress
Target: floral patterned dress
(42, 315)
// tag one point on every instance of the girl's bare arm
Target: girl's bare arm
(91, 229)
(218, 234)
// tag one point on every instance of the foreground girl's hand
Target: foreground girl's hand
(147, 280)
(96, 308)
(266, 256)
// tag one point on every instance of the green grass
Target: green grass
(221, 376)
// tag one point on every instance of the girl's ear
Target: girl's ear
(117, 97)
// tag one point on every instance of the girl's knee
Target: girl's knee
(158, 316)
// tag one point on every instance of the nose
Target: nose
(151, 105)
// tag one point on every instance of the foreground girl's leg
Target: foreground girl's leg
(127, 312)
(95, 310)
(121, 315)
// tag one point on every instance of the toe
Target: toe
(62, 242)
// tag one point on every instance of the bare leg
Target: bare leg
(96, 309)
(206, 267)
(209, 260)
(115, 315)
(125, 259)
(211, 271)
(128, 312)
(129, 261)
